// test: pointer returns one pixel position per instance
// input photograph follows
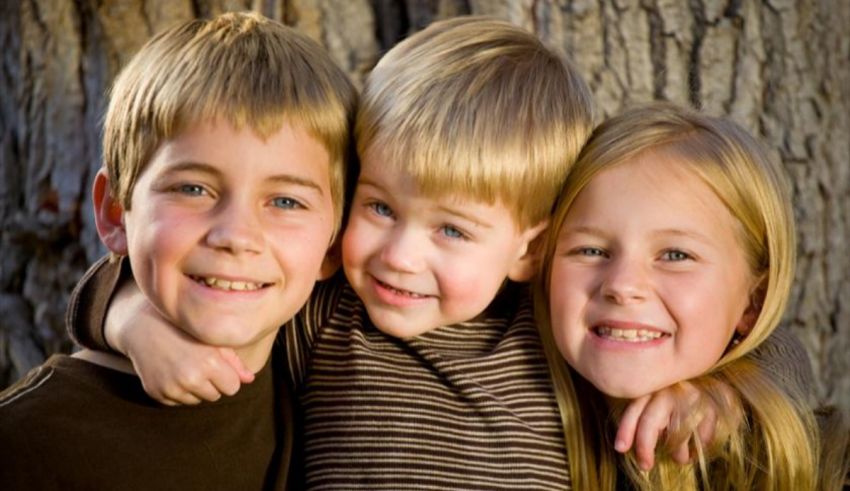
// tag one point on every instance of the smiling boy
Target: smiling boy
(224, 147)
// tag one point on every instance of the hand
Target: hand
(679, 413)
(174, 367)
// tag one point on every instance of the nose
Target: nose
(236, 228)
(402, 252)
(625, 282)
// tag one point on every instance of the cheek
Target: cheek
(302, 247)
(154, 237)
(707, 310)
(353, 242)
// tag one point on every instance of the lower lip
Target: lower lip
(393, 297)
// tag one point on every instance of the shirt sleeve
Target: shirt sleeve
(90, 299)
(299, 336)
(784, 358)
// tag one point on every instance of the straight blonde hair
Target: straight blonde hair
(242, 67)
(776, 448)
(478, 108)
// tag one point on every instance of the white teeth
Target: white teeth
(220, 284)
(405, 293)
(628, 335)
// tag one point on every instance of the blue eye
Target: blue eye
(381, 209)
(286, 203)
(675, 255)
(591, 252)
(191, 189)
(452, 232)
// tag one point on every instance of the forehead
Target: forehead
(219, 144)
(406, 194)
(658, 191)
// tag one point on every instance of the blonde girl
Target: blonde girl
(670, 258)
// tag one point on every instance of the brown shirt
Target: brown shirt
(73, 425)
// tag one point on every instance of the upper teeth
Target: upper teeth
(629, 335)
(229, 285)
(406, 293)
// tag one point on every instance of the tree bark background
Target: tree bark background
(781, 68)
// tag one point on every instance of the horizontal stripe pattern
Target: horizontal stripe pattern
(468, 406)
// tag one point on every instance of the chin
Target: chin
(623, 389)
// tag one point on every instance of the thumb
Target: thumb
(245, 376)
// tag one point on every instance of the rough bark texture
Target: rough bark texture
(779, 67)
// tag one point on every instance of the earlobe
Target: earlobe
(525, 267)
(108, 215)
(751, 314)
(331, 262)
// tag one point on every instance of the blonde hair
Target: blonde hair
(241, 67)
(776, 446)
(479, 108)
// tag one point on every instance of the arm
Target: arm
(108, 312)
(669, 411)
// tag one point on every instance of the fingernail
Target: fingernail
(620, 446)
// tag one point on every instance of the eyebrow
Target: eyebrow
(583, 229)
(203, 168)
(464, 216)
(442, 208)
(590, 230)
(368, 182)
(682, 233)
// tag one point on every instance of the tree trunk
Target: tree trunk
(781, 68)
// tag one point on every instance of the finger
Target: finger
(628, 424)
(226, 381)
(653, 422)
(185, 399)
(172, 396)
(707, 428)
(682, 453)
(245, 375)
(207, 391)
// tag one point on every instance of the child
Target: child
(422, 366)
(671, 255)
(224, 146)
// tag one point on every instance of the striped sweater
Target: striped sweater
(467, 406)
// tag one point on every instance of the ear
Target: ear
(751, 313)
(525, 267)
(332, 261)
(108, 215)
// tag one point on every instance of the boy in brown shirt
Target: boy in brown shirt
(224, 147)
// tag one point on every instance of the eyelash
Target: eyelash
(454, 233)
(586, 251)
(684, 256)
(190, 189)
(380, 209)
(292, 203)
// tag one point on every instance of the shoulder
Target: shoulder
(59, 386)
(23, 408)
(27, 388)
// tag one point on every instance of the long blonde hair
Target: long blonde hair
(776, 446)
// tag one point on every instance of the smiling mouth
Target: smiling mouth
(628, 335)
(399, 292)
(228, 285)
